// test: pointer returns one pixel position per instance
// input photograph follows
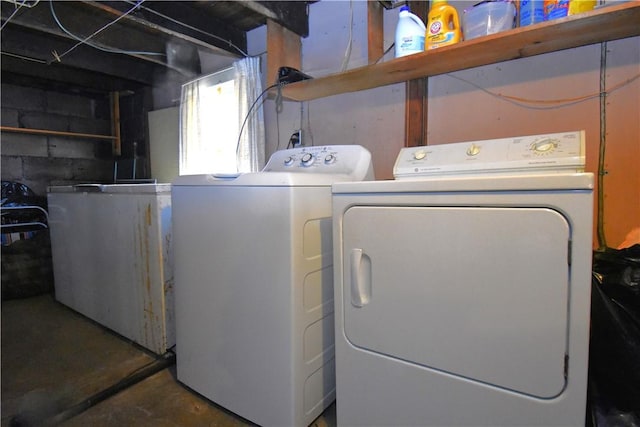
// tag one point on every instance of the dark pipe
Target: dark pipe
(163, 362)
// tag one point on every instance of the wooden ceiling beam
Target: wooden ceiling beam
(135, 44)
(81, 22)
(61, 77)
(44, 47)
(292, 15)
(215, 36)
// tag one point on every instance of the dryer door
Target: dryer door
(480, 293)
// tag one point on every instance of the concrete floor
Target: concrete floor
(53, 359)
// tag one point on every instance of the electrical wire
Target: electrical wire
(26, 58)
(244, 122)
(385, 52)
(23, 3)
(347, 53)
(301, 114)
(309, 131)
(19, 6)
(175, 21)
(278, 100)
(9, 18)
(545, 104)
(277, 131)
(548, 104)
(85, 40)
(602, 241)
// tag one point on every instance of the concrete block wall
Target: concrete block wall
(42, 160)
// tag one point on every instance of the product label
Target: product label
(442, 39)
(435, 27)
(531, 12)
(412, 43)
(556, 8)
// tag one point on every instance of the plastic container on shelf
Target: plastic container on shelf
(581, 6)
(443, 25)
(531, 12)
(488, 18)
(554, 9)
(410, 33)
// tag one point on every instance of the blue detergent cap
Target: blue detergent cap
(405, 7)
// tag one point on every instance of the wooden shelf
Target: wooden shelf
(603, 24)
(55, 133)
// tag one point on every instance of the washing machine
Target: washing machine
(254, 283)
(462, 287)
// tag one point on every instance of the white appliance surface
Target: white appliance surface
(112, 257)
(463, 299)
(254, 276)
(548, 153)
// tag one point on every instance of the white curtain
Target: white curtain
(213, 108)
(251, 144)
(190, 127)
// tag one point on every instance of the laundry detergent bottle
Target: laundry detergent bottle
(410, 33)
(443, 26)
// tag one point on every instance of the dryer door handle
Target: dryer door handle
(360, 278)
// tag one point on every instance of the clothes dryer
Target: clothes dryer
(462, 288)
(254, 284)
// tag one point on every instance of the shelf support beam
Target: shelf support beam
(375, 31)
(115, 123)
(417, 99)
(284, 48)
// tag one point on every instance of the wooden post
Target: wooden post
(284, 49)
(416, 107)
(115, 123)
(375, 31)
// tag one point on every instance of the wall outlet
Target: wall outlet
(296, 139)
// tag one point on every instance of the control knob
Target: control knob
(329, 159)
(419, 155)
(544, 146)
(288, 161)
(473, 150)
(307, 159)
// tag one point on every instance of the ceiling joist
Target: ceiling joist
(131, 42)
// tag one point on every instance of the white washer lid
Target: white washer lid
(263, 179)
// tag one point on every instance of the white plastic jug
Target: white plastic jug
(409, 33)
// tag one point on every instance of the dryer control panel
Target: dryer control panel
(559, 152)
(352, 160)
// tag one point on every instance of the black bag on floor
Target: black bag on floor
(25, 250)
(614, 352)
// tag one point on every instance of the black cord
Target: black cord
(385, 52)
(249, 113)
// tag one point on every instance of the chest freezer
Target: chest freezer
(112, 258)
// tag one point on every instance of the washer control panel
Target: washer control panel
(527, 154)
(353, 160)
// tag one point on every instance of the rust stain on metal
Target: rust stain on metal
(148, 215)
(143, 235)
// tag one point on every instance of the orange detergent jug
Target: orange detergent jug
(443, 26)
